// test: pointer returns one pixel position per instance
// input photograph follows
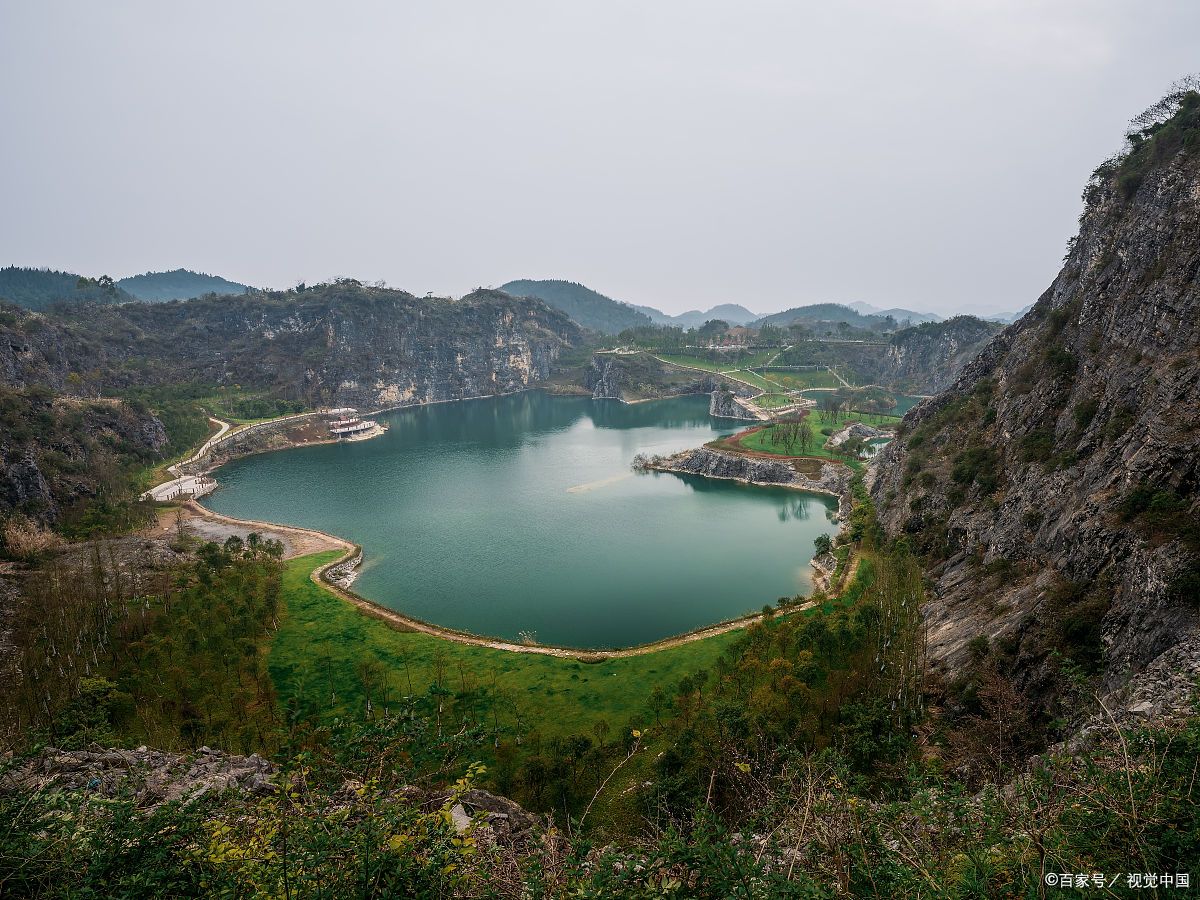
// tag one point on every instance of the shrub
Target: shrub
(976, 464)
(1038, 445)
(1084, 412)
(25, 539)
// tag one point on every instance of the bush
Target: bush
(25, 539)
(977, 465)
(1038, 445)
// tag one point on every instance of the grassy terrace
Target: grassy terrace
(316, 659)
(798, 381)
(770, 438)
(775, 401)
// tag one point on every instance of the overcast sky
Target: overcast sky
(926, 153)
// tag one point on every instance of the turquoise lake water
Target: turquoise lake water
(520, 514)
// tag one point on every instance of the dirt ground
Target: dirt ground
(211, 526)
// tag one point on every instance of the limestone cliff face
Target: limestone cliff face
(1053, 486)
(335, 344)
(639, 376)
(56, 454)
(927, 359)
(603, 379)
(722, 405)
(829, 478)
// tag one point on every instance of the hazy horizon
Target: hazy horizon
(676, 155)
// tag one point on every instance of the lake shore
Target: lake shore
(337, 575)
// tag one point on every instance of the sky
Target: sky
(928, 154)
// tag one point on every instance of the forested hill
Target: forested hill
(39, 288)
(824, 312)
(589, 308)
(340, 343)
(178, 284)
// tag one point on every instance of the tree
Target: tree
(804, 434)
(600, 729)
(824, 544)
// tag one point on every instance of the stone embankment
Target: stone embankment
(287, 431)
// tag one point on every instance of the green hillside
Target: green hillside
(587, 307)
(38, 288)
(178, 284)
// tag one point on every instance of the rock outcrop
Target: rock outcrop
(639, 376)
(858, 430)
(152, 777)
(56, 454)
(1053, 486)
(927, 358)
(603, 379)
(723, 405)
(826, 478)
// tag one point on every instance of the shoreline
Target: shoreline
(353, 554)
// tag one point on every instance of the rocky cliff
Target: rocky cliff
(723, 405)
(334, 344)
(927, 358)
(810, 475)
(1053, 487)
(639, 376)
(57, 454)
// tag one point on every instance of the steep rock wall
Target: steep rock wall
(1053, 486)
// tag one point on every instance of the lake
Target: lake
(520, 514)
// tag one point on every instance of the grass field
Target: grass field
(796, 381)
(321, 642)
(774, 401)
(768, 439)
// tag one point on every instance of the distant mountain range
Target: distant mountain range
(598, 312)
(732, 313)
(178, 284)
(1008, 318)
(899, 314)
(37, 289)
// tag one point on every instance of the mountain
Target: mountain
(897, 313)
(927, 358)
(823, 313)
(332, 344)
(1053, 488)
(588, 308)
(39, 288)
(732, 313)
(1008, 318)
(178, 284)
(921, 359)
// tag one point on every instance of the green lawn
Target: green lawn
(322, 639)
(768, 439)
(696, 362)
(774, 401)
(796, 381)
(753, 378)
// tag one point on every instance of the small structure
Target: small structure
(347, 426)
